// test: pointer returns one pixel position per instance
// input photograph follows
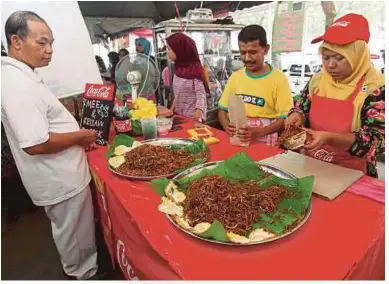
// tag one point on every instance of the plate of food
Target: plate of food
(293, 138)
(236, 201)
(155, 158)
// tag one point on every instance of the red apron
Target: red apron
(334, 115)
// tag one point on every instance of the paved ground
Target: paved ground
(28, 251)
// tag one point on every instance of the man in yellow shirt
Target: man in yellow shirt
(264, 89)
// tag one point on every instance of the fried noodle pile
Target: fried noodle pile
(150, 160)
(288, 133)
(236, 206)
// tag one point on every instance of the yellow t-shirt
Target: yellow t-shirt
(265, 96)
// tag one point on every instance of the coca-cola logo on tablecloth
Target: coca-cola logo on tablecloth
(104, 202)
(107, 228)
(98, 182)
(123, 262)
(324, 155)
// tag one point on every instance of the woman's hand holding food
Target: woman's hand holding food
(318, 139)
(294, 120)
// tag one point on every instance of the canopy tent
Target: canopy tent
(143, 32)
(101, 27)
(115, 18)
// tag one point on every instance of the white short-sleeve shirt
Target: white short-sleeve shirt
(29, 111)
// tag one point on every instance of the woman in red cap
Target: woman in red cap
(190, 86)
(344, 105)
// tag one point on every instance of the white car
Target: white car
(310, 70)
(296, 84)
(378, 61)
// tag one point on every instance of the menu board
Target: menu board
(288, 27)
(97, 109)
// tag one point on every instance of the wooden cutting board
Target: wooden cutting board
(330, 180)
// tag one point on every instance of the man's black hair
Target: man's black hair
(17, 24)
(253, 33)
(3, 52)
(114, 57)
(126, 52)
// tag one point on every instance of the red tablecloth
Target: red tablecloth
(343, 238)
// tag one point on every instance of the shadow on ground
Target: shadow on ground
(28, 251)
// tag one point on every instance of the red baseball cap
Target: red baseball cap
(345, 30)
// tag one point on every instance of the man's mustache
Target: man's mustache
(249, 62)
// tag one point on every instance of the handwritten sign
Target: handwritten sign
(288, 27)
(98, 103)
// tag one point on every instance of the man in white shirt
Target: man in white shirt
(48, 145)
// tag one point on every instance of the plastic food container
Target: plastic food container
(149, 128)
(164, 124)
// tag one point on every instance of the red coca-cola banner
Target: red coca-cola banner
(105, 220)
(134, 254)
(99, 92)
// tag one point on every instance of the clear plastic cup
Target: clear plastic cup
(149, 128)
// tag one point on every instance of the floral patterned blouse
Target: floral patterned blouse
(370, 139)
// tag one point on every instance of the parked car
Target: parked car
(310, 70)
(383, 57)
(378, 60)
(296, 84)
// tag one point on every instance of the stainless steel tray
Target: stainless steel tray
(162, 142)
(267, 168)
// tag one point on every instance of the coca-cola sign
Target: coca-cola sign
(99, 92)
(324, 155)
(97, 110)
(123, 262)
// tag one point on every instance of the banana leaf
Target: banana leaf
(216, 232)
(159, 186)
(195, 148)
(121, 139)
(241, 168)
(238, 168)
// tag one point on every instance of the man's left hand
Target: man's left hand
(244, 134)
(90, 147)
